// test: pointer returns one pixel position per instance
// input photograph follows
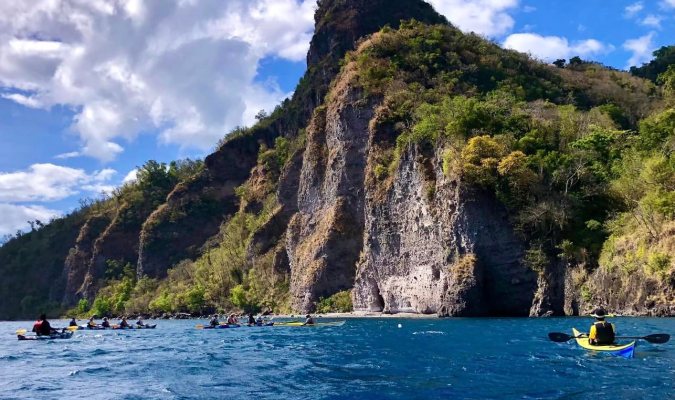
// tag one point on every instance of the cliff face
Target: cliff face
(449, 251)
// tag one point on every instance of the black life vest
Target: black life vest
(604, 333)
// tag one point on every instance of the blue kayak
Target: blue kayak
(221, 327)
(55, 336)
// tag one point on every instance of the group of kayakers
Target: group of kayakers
(105, 323)
(232, 320)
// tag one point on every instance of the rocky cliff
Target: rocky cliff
(420, 169)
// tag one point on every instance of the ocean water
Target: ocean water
(364, 359)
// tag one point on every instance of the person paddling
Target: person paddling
(73, 322)
(140, 323)
(602, 332)
(309, 320)
(214, 321)
(91, 323)
(251, 319)
(260, 320)
(42, 326)
(124, 323)
(105, 323)
(232, 320)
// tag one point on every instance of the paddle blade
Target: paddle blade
(559, 337)
(200, 326)
(21, 332)
(72, 328)
(659, 338)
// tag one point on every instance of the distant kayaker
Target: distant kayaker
(309, 320)
(214, 321)
(91, 323)
(42, 326)
(602, 332)
(232, 320)
(105, 323)
(251, 319)
(124, 323)
(73, 322)
(140, 322)
(260, 320)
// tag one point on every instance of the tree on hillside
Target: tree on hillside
(663, 58)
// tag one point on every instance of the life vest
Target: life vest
(604, 333)
(37, 327)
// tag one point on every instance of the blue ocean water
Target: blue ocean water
(364, 359)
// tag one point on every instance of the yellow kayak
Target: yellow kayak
(622, 350)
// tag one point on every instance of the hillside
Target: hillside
(416, 168)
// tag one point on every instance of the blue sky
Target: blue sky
(83, 103)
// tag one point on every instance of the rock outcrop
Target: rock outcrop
(448, 251)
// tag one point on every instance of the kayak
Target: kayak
(336, 323)
(261, 325)
(55, 336)
(621, 350)
(92, 328)
(221, 327)
(136, 327)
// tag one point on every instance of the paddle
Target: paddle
(658, 338)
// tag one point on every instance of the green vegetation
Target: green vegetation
(338, 303)
(506, 126)
(663, 59)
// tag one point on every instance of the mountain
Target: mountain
(416, 168)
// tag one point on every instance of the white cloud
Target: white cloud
(652, 20)
(529, 9)
(634, 9)
(642, 49)
(49, 182)
(550, 48)
(64, 156)
(185, 67)
(15, 217)
(131, 176)
(486, 17)
(667, 4)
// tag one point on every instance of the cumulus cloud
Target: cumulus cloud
(15, 217)
(667, 4)
(550, 48)
(49, 182)
(486, 17)
(634, 9)
(186, 68)
(652, 20)
(642, 49)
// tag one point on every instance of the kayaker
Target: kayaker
(602, 332)
(42, 326)
(73, 322)
(140, 322)
(91, 323)
(251, 319)
(214, 321)
(232, 320)
(124, 323)
(105, 323)
(260, 320)
(309, 320)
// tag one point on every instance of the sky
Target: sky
(91, 89)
